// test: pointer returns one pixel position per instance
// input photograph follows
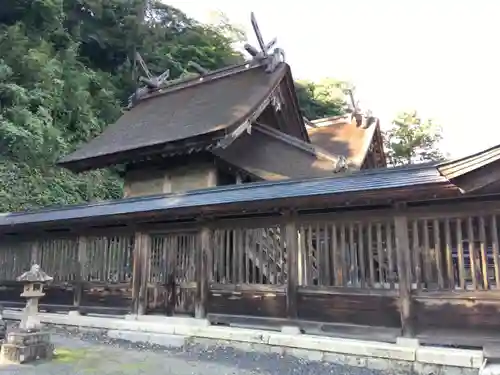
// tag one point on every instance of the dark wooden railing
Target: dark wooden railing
(413, 270)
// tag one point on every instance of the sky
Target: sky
(439, 57)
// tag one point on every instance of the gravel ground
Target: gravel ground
(92, 353)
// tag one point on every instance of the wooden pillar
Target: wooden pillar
(292, 249)
(80, 267)
(35, 255)
(146, 269)
(203, 257)
(404, 272)
(140, 273)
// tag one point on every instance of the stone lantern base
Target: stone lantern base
(22, 347)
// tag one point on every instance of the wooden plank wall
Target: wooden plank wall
(247, 272)
(455, 272)
(348, 272)
(90, 272)
(414, 270)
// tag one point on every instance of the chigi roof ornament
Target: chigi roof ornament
(152, 83)
(270, 59)
(363, 118)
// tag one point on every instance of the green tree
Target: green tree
(322, 99)
(66, 72)
(412, 139)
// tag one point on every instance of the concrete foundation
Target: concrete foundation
(179, 331)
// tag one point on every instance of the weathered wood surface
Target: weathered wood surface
(363, 309)
(258, 303)
(459, 313)
(414, 270)
(404, 268)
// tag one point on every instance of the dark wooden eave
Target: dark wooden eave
(477, 172)
(359, 188)
(272, 156)
(409, 184)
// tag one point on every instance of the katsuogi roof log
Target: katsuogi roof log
(191, 115)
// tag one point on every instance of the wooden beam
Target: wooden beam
(404, 272)
(81, 266)
(35, 251)
(292, 249)
(145, 270)
(140, 273)
(203, 261)
(479, 178)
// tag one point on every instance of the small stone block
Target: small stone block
(27, 338)
(11, 353)
(291, 330)
(407, 342)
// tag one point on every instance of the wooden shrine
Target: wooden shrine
(302, 233)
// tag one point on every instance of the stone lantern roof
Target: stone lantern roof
(34, 275)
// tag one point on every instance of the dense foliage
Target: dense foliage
(412, 139)
(66, 71)
(322, 99)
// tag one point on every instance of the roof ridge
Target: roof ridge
(330, 119)
(180, 84)
(293, 141)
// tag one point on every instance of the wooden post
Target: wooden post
(140, 273)
(292, 249)
(35, 256)
(81, 263)
(404, 272)
(145, 271)
(203, 255)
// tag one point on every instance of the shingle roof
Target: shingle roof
(366, 181)
(202, 106)
(370, 180)
(273, 156)
(343, 136)
(458, 167)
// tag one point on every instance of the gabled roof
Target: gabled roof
(197, 114)
(476, 172)
(344, 135)
(272, 155)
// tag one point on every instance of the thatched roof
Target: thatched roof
(188, 116)
(344, 136)
(271, 155)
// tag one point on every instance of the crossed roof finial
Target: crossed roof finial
(273, 58)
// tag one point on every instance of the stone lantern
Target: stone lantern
(33, 282)
(29, 342)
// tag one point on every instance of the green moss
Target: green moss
(70, 355)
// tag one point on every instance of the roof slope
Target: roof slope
(361, 181)
(476, 172)
(214, 103)
(272, 156)
(341, 135)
